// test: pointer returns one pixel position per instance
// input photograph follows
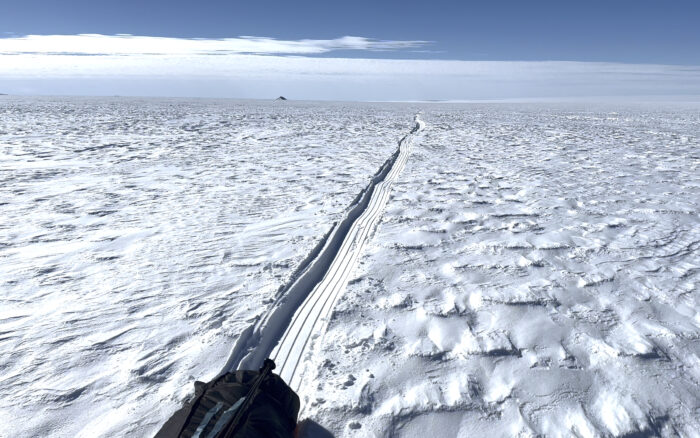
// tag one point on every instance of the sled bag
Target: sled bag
(271, 413)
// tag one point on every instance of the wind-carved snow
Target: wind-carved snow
(140, 237)
(534, 274)
(535, 271)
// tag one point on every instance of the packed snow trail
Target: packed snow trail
(303, 307)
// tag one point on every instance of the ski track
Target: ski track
(533, 274)
(141, 236)
(288, 332)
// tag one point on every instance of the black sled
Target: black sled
(240, 404)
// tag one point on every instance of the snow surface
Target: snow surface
(139, 238)
(535, 274)
(310, 318)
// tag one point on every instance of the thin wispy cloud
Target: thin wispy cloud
(92, 44)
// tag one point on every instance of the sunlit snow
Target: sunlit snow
(534, 272)
(139, 237)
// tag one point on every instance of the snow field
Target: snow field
(140, 237)
(535, 273)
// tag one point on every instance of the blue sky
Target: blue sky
(421, 35)
(639, 31)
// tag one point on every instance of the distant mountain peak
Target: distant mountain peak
(281, 98)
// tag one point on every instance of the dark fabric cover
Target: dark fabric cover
(273, 412)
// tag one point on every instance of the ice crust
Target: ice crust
(535, 274)
(139, 238)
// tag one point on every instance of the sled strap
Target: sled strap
(230, 428)
(196, 401)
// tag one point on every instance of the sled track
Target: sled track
(286, 333)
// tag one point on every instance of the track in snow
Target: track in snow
(301, 312)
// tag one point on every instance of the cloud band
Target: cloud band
(91, 44)
(263, 67)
